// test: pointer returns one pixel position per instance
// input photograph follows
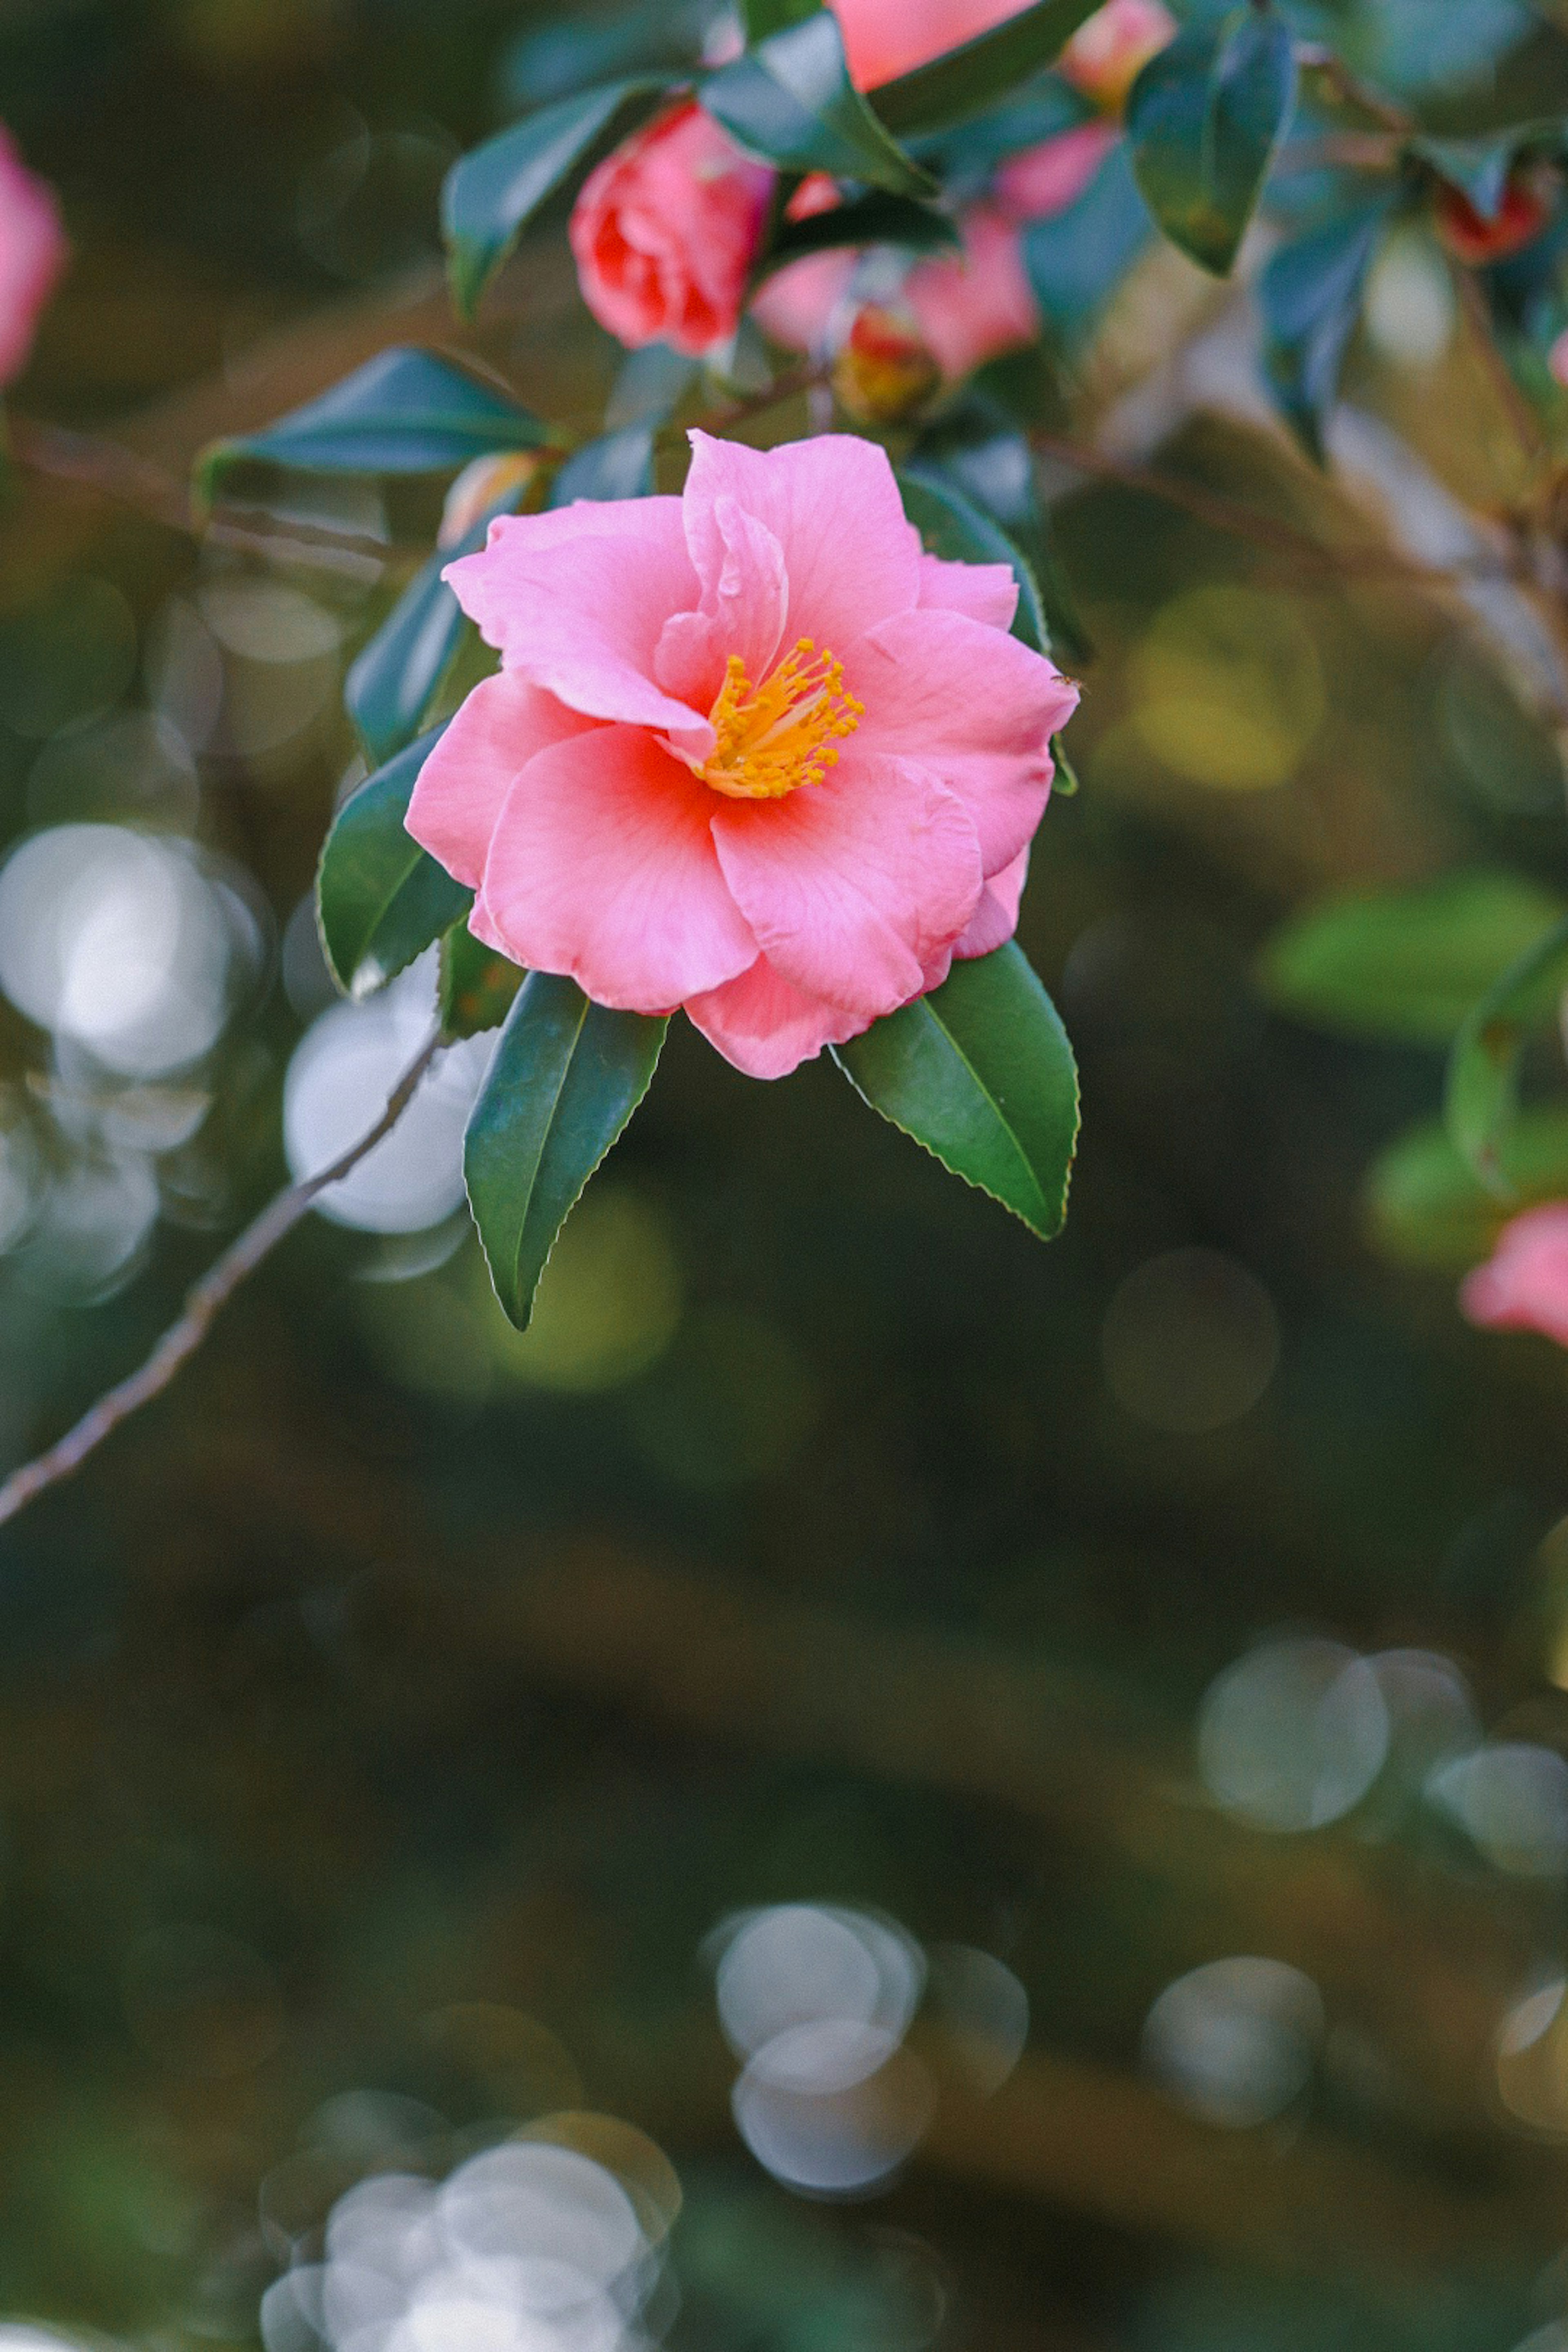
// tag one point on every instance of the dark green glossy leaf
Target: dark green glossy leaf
(1204, 121)
(1479, 167)
(977, 445)
(404, 412)
(952, 527)
(566, 1076)
(392, 680)
(1406, 964)
(651, 384)
(1425, 1206)
(965, 81)
(981, 1073)
(380, 899)
(493, 192)
(617, 465)
(762, 19)
(478, 986)
(1309, 295)
(791, 100)
(875, 219)
(1077, 259)
(565, 53)
(1481, 1098)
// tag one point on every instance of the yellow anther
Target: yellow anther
(775, 737)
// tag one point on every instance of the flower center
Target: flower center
(782, 733)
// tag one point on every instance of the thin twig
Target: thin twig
(1241, 520)
(215, 1287)
(88, 461)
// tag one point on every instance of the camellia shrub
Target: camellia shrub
(703, 714)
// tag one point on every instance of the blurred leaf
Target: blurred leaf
(1067, 783)
(981, 1073)
(875, 219)
(478, 986)
(1406, 964)
(1427, 1207)
(1479, 167)
(650, 385)
(390, 685)
(574, 52)
(977, 446)
(404, 412)
(952, 527)
(617, 465)
(381, 899)
(965, 80)
(1204, 121)
(791, 100)
(1309, 295)
(1481, 1098)
(493, 192)
(566, 1076)
(762, 18)
(1076, 260)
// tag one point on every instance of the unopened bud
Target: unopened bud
(481, 485)
(884, 370)
(1528, 201)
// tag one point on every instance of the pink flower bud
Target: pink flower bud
(1110, 50)
(666, 230)
(32, 253)
(1523, 1287)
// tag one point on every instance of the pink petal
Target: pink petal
(985, 591)
(974, 305)
(33, 255)
(1524, 1285)
(575, 601)
(834, 508)
(602, 867)
(996, 918)
(883, 38)
(744, 613)
(796, 305)
(1043, 181)
(850, 885)
(975, 705)
(765, 1026)
(460, 789)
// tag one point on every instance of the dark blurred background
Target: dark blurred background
(1130, 1678)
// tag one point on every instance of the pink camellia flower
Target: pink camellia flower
(665, 232)
(1110, 50)
(1523, 1287)
(1040, 182)
(974, 305)
(32, 253)
(749, 751)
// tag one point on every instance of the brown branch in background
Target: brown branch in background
(88, 461)
(181, 1340)
(1238, 519)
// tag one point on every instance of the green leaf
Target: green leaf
(1427, 1207)
(1066, 786)
(478, 986)
(791, 100)
(404, 412)
(1481, 1098)
(392, 681)
(977, 446)
(1205, 120)
(1405, 965)
(965, 81)
(1076, 260)
(1479, 167)
(617, 465)
(981, 1073)
(1309, 295)
(493, 192)
(565, 1077)
(952, 527)
(650, 385)
(381, 899)
(762, 19)
(875, 219)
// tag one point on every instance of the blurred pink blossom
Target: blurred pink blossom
(972, 306)
(32, 253)
(1040, 182)
(749, 750)
(1523, 1285)
(1110, 50)
(665, 232)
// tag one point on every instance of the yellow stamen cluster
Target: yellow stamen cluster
(784, 733)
